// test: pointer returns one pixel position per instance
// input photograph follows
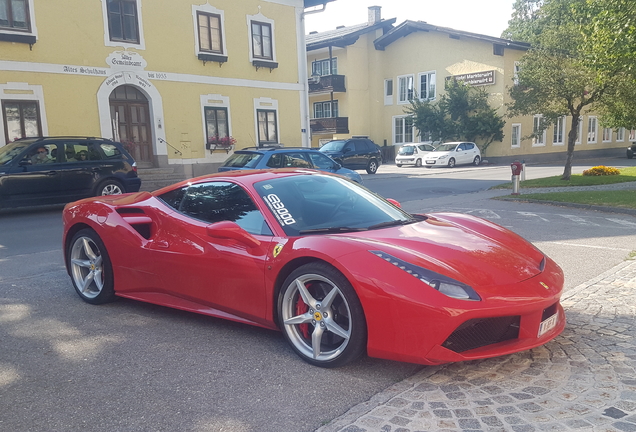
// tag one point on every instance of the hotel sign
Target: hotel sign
(476, 78)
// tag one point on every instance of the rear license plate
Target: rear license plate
(548, 325)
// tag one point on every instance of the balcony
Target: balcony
(327, 84)
(330, 125)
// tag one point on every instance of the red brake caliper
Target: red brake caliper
(301, 308)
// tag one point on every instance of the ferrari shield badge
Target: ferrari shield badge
(277, 249)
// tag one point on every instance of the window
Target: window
(388, 92)
(516, 135)
(216, 125)
(405, 89)
(14, 15)
(620, 134)
(427, 85)
(591, 129)
(632, 134)
(559, 131)
(326, 109)
(123, 23)
(579, 131)
(262, 40)
(21, 119)
(539, 134)
(607, 134)
(498, 50)
(403, 130)
(515, 77)
(210, 36)
(321, 67)
(267, 133)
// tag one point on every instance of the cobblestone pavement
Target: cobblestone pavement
(585, 379)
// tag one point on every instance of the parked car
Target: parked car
(54, 170)
(340, 271)
(412, 154)
(454, 153)
(355, 153)
(631, 150)
(286, 157)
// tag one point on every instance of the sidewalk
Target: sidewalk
(585, 379)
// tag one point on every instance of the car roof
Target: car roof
(275, 149)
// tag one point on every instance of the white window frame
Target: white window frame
(402, 140)
(388, 98)
(620, 134)
(538, 141)
(579, 132)
(328, 103)
(403, 82)
(107, 42)
(266, 104)
(607, 135)
(23, 92)
(33, 31)
(559, 129)
(259, 17)
(431, 76)
(515, 136)
(592, 130)
(333, 70)
(208, 9)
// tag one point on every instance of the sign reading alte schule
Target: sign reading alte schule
(476, 78)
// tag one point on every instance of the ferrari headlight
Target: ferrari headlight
(445, 285)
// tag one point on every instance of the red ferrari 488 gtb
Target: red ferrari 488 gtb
(338, 269)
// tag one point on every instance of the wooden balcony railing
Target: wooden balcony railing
(330, 125)
(327, 83)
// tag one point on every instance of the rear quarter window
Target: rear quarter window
(110, 150)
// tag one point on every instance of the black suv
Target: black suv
(355, 153)
(631, 150)
(55, 170)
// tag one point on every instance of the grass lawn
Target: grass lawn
(622, 198)
(626, 175)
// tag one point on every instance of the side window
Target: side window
(361, 147)
(321, 161)
(469, 146)
(94, 152)
(349, 147)
(109, 150)
(77, 152)
(295, 160)
(123, 21)
(43, 154)
(173, 198)
(222, 201)
(275, 161)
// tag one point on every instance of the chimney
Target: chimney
(374, 14)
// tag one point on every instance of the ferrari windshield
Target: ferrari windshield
(305, 204)
(11, 150)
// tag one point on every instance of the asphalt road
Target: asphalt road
(129, 366)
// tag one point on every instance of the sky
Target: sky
(487, 17)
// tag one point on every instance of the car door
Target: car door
(34, 177)
(350, 158)
(222, 273)
(462, 154)
(471, 151)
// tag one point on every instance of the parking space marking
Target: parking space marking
(622, 222)
(533, 215)
(590, 246)
(578, 220)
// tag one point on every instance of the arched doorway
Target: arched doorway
(130, 120)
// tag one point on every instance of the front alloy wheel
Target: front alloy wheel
(90, 268)
(321, 316)
(451, 162)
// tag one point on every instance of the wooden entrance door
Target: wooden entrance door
(131, 123)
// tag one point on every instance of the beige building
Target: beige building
(182, 83)
(376, 68)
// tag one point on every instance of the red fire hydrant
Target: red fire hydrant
(517, 168)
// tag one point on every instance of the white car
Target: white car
(454, 153)
(413, 154)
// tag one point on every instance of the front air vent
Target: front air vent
(479, 332)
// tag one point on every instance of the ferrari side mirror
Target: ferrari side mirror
(230, 230)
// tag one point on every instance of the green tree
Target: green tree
(568, 72)
(462, 113)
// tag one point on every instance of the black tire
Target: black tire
(451, 163)
(372, 167)
(90, 268)
(418, 163)
(109, 187)
(476, 161)
(630, 155)
(340, 324)
(399, 165)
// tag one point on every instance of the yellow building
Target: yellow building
(181, 82)
(377, 68)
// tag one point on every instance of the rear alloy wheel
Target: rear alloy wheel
(451, 163)
(477, 161)
(321, 316)
(90, 268)
(372, 168)
(110, 187)
(418, 163)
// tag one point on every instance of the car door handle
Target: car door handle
(51, 173)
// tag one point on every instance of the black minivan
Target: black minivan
(56, 170)
(355, 153)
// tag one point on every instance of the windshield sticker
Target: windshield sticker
(277, 249)
(267, 186)
(280, 211)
